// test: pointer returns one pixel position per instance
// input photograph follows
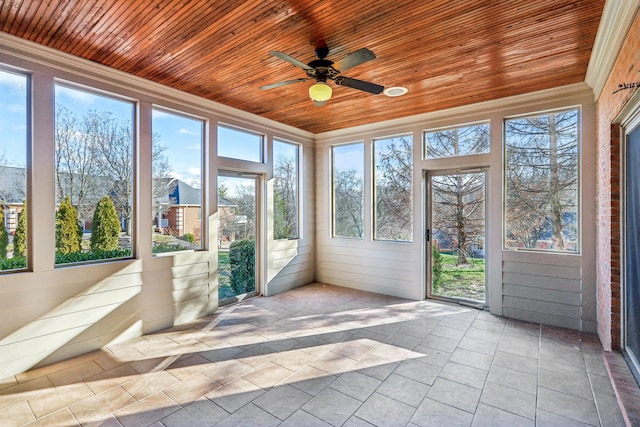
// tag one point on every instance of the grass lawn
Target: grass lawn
(466, 281)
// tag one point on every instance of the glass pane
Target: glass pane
(285, 190)
(458, 236)
(348, 190)
(393, 168)
(632, 255)
(239, 144)
(236, 236)
(94, 176)
(13, 172)
(176, 185)
(460, 141)
(541, 182)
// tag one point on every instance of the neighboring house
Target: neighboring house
(177, 205)
(227, 222)
(12, 193)
(13, 181)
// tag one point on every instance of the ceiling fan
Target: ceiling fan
(322, 69)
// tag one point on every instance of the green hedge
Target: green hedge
(242, 261)
(15, 263)
(20, 263)
(62, 258)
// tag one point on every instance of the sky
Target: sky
(13, 119)
(182, 136)
(239, 144)
(350, 156)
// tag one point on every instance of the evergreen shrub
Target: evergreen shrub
(20, 236)
(68, 231)
(106, 226)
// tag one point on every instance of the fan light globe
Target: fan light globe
(320, 92)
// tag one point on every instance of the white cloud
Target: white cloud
(79, 96)
(159, 114)
(174, 174)
(194, 171)
(194, 182)
(184, 131)
(11, 79)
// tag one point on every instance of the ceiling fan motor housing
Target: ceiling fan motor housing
(321, 70)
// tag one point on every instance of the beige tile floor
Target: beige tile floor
(327, 356)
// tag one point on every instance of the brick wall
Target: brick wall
(192, 221)
(625, 70)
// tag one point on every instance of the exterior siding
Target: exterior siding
(543, 288)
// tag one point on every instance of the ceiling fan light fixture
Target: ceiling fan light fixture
(320, 92)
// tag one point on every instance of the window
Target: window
(541, 182)
(94, 176)
(348, 190)
(393, 169)
(13, 162)
(239, 144)
(459, 141)
(177, 191)
(285, 190)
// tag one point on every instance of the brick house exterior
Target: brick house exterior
(179, 207)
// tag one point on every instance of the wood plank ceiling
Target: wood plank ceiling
(448, 53)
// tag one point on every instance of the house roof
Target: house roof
(181, 193)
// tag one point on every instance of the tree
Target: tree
(94, 157)
(394, 188)
(458, 210)
(226, 216)
(459, 199)
(457, 142)
(4, 236)
(106, 226)
(76, 167)
(68, 231)
(348, 207)
(285, 194)
(243, 196)
(160, 172)
(114, 147)
(542, 179)
(20, 236)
